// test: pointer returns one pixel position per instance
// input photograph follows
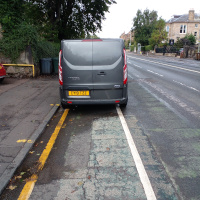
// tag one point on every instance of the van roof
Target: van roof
(95, 39)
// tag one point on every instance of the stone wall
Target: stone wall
(20, 71)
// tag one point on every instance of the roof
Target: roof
(184, 18)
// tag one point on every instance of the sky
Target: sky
(120, 16)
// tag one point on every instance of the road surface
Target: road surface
(148, 150)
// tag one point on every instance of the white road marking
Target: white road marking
(136, 157)
(186, 86)
(129, 62)
(130, 76)
(155, 73)
(174, 99)
(194, 89)
(190, 70)
(138, 66)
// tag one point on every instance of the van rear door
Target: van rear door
(77, 66)
(108, 64)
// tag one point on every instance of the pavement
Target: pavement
(26, 107)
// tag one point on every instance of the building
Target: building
(180, 25)
(126, 36)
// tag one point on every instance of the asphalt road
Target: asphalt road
(94, 156)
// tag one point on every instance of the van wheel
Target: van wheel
(64, 106)
(1, 80)
(123, 105)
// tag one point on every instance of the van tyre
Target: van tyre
(64, 106)
(1, 80)
(123, 105)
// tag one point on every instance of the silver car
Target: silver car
(93, 71)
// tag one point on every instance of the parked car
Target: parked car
(93, 71)
(2, 73)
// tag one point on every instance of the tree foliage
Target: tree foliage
(159, 34)
(40, 22)
(68, 18)
(143, 25)
(11, 13)
(189, 39)
(56, 19)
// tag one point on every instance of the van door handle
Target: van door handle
(102, 73)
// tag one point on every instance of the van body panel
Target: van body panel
(77, 64)
(92, 72)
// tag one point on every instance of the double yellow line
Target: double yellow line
(28, 188)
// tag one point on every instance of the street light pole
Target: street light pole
(130, 41)
(199, 41)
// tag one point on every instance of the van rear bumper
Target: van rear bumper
(65, 102)
(122, 99)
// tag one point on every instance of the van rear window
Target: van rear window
(92, 53)
(106, 52)
(78, 53)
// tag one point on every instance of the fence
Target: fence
(168, 49)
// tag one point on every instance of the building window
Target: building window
(195, 33)
(196, 25)
(183, 29)
(167, 29)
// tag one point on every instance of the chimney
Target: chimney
(191, 14)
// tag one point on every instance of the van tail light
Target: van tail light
(60, 69)
(125, 70)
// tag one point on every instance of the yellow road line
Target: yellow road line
(28, 188)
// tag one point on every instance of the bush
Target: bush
(15, 42)
(45, 49)
(143, 48)
(148, 48)
(132, 47)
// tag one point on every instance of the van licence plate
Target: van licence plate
(79, 93)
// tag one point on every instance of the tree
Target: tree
(143, 25)
(159, 34)
(188, 40)
(11, 14)
(191, 39)
(56, 19)
(68, 18)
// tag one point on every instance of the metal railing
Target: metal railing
(23, 65)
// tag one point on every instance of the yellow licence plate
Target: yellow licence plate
(79, 93)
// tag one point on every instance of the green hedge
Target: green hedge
(132, 47)
(14, 43)
(148, 48)
(45, 49)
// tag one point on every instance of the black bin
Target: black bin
(46, 66)
(55, 64)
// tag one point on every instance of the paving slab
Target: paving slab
(26, 107)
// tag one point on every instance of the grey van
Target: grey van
(93, 71)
